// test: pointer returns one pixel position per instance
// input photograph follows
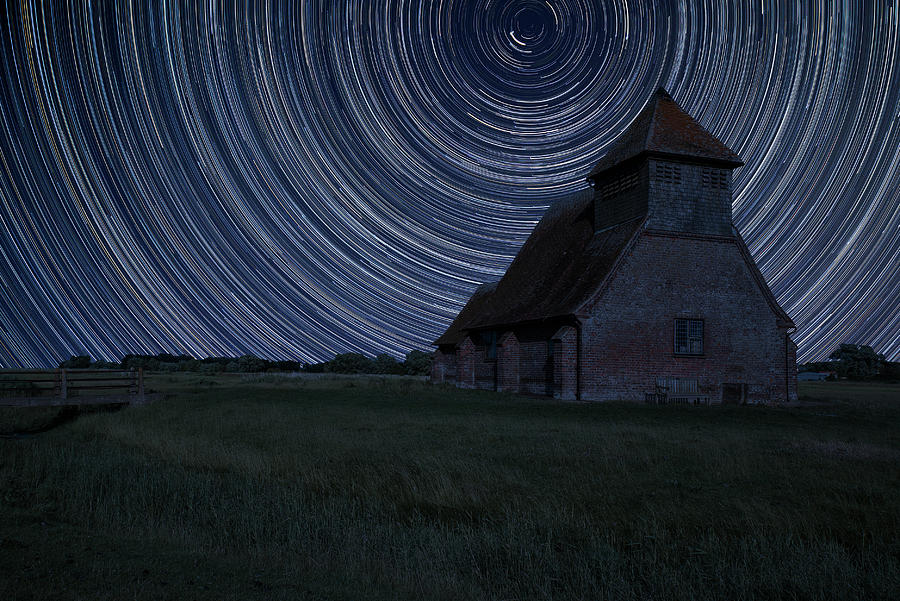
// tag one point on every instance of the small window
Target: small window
(490, 345)
(689, 336)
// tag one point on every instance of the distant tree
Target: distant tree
(101, 364)
(417, 363)
(285, 365)
(815, 366)
(350, 363)
(251, 364)
(856, 362)
(385, 364)
(76, 362)
(147, 362)
(221, 360)
(211, 367)
(314, 368)
(191, 365)
(889, 371)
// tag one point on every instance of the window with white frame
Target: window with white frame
(688, 336)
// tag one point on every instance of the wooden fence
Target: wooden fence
(59, 387)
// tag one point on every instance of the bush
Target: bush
(385, 364)
(856, 362)
(76, 362)
(889, 371)
(211, 367)
(191, 365)
(251, 364)
(105, 365)
(350, 363)
(418, 363)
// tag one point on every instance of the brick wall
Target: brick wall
(628, 338)
(443, 368)
(565, 363)
(534, 368)
(791, 368)
(508, 355)
(521, 365)
(485, 372)
(465, 363)
(473, 370)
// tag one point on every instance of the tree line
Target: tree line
(856, 362)
(415, 363)
(849, 361)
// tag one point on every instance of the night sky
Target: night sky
(323, 177)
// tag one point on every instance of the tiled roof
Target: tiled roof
(473, 308)
(557, 269)
(662, 128)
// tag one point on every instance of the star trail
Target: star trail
(302, 179)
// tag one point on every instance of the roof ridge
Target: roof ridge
(650, 128)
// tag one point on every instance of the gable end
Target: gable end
(783, 318)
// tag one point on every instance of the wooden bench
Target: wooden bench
(678, 391)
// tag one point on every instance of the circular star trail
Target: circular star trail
(299, 180)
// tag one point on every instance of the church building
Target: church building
(639, 288)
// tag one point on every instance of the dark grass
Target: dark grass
(366, 488)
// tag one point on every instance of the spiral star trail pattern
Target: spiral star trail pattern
(317, 177)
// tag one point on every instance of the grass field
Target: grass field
(353, 488)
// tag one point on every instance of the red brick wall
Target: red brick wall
(533, 367)
(485, 372)
(465, 363)
(565, 363)
(508, 355)
(628, 338)
(791, 367)
(443, 368)
(472, 369)
(521, 365)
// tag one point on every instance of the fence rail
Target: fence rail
(57, 387)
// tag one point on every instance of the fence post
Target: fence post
(62, 389)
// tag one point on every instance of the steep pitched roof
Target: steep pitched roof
(663, 128)
(557, 269)
(473, 308)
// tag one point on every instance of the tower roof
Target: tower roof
(663, 128)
